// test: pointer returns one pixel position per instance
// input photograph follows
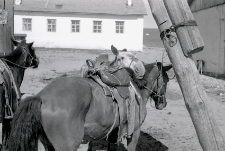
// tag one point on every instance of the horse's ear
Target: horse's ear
(114, 50)
(30, 44)
(166, 68)
(16, 43)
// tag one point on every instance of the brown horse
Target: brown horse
(13, 68)
(70, 108)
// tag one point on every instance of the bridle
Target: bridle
(131, 62)
(153, 93)
(27, 54)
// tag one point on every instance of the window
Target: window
(119, 26)
(51, 25)
(75, 26)
(97, 27)
(27, 23)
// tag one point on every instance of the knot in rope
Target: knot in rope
(166, 34)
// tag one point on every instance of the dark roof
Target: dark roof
(116, 7)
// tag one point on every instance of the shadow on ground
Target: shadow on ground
(145, 143)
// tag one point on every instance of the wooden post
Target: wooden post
(196, 100)
(189, 36)
(6, 30)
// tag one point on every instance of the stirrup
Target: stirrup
(10, 115)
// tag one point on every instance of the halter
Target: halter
(156, 81)
(131, 62)
(25, 58)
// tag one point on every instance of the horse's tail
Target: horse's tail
(26, 125)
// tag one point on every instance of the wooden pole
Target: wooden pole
(196, 100)
(6, 29)
(189, 36)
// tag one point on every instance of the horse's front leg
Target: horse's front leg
(90, 146)
(133, 140)
(112, 141)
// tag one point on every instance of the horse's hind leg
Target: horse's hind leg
(46, 143)
(90, 146)
(66, 137)
(64, 132)
(132, 142)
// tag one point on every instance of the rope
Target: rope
(185, 23)
(14, 63)
(167, 32)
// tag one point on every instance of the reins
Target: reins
(14, 63)
(24, 50)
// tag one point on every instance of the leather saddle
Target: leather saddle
(109, 76)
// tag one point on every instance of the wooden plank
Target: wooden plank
(6, 30)
(1, 29)
(10, 25)
(189, 36)
(196, 100)
(8, 41)
(10, 9)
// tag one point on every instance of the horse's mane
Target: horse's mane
(13, 55)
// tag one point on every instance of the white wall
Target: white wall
(132, 38)
(211, 26)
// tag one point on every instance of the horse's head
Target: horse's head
(24, 54)
(157, 83)
(128, 59)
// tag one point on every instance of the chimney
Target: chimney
(129, 3)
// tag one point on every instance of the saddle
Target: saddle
(8, 83)
(109, 76)
(115, 82)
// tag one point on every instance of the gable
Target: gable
(115, 7)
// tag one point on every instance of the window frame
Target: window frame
(26, 28)
(97, 26)
(119, 27)
(75, 26)
(51, 25)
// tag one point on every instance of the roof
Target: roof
(197, 5)
(116, 7)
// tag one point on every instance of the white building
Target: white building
(83, 24)
(210, 17)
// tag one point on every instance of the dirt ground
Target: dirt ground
(168, 129)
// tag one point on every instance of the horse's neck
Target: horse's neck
(145, 94)
(18, 74)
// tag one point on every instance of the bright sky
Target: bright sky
(149, 21)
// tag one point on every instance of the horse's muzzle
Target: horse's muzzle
(35, 63)
(162, 104)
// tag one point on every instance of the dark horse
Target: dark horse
(13, 66)
(70, 108)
